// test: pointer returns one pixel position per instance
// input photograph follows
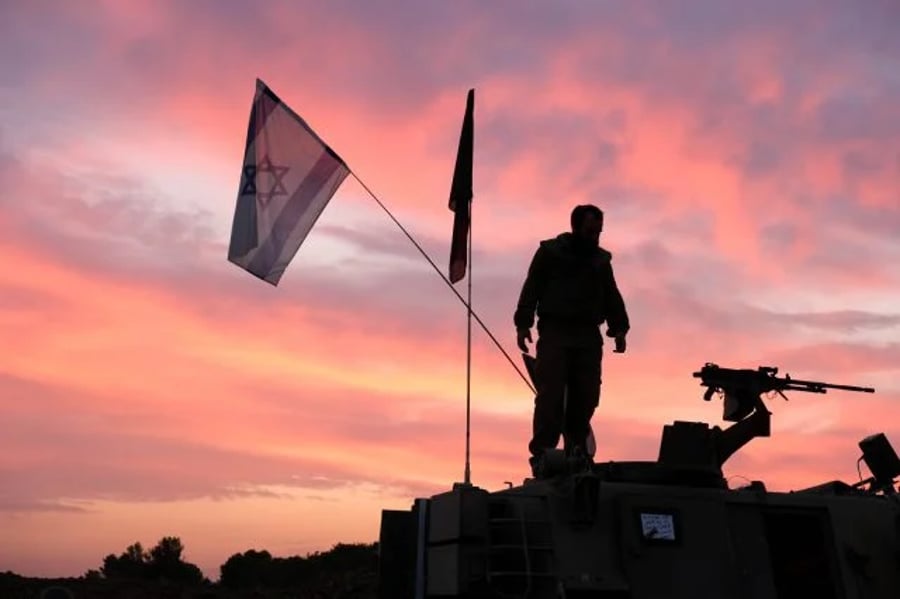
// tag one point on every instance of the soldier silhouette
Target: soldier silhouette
(572, 288)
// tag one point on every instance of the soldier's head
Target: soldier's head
(587, 223)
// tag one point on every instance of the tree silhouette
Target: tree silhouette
(247, 570)
(93, 575)
(168, 550)
(131, 564)
(136, 553)
(162, 562)
(258, 569)
(165, 563)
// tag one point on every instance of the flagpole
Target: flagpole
(468, 472)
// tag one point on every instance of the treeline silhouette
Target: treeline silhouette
(344, 563)
(346, 571)
(163, 562)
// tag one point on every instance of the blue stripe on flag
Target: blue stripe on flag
(266, 257)
(244, 236)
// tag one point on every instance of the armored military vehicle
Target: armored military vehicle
(671, 528)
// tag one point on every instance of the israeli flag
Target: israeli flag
(288, 176)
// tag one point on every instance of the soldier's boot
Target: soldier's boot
(536, 466)
(579, 460)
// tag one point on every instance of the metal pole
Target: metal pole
(468, 473)
(421, 550)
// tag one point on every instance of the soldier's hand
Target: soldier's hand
(620, 344)
(521, 336)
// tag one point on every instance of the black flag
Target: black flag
(461, 193)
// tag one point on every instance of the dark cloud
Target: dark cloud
(461, 44)
(759, 158)
(510, 136)
(859, 164)
(846, 215)
(859, 116)
(780, 237)
(47, 39)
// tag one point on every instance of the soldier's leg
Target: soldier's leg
(583, 394)
(550, 372)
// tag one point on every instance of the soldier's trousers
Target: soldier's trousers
(567, 373)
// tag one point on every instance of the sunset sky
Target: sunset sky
(747, 156)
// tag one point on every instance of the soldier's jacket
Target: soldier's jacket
(568, 288)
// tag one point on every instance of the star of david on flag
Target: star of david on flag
(288, 176)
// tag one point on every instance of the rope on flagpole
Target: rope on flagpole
(447, 281)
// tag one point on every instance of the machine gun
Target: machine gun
(743, 390)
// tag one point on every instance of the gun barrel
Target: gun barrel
(818, 387)
(713, 375)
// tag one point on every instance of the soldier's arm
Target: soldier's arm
(616, 316)
(528, 298)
